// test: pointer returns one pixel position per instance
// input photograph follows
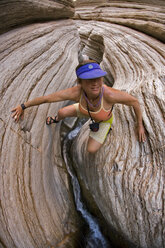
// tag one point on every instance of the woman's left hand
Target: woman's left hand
(141, 133)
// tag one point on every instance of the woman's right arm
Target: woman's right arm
(62, 95)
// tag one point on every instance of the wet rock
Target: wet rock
(125, 178)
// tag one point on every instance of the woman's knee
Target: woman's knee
(61, 113)
(92, 150)
(92, 146)
(69, 111)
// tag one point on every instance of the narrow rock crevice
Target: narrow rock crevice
(123, 184)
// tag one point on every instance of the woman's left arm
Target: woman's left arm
(117, 96)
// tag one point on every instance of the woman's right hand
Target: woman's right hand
(17, 113)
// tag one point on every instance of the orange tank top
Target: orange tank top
(100, 115)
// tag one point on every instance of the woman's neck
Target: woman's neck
(91, 99)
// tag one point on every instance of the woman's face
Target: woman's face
(92, 87)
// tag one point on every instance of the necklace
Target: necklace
(98, 103)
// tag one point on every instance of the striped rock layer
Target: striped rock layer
(124, 182)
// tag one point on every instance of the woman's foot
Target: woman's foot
(50, 120)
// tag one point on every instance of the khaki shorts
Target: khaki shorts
(104, 127)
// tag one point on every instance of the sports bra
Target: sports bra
(100, 115)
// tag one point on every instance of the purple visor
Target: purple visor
(90, 71)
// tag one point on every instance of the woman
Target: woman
(94, 100)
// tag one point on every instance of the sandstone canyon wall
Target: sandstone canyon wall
(36, 206)
(14, 13)
(125, 179)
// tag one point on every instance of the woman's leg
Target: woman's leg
(96, 139)
(72, 111)
(93, 146)
(68, 111)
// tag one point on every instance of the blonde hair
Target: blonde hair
(85, 62)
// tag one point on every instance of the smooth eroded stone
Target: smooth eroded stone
(125, 178)
(14, 13)
(37, 208)
(145, 16)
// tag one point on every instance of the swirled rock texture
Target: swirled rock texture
(125, 179)
(36, 203)
(14, 13)
(145, 16)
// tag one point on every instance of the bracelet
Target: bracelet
(23, 106)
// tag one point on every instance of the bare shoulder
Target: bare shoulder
(109, 93)
(72, 94)
(117, 96)
(75, 92)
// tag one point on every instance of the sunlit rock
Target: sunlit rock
(125, 179)
(145, 16)
(36, 201)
